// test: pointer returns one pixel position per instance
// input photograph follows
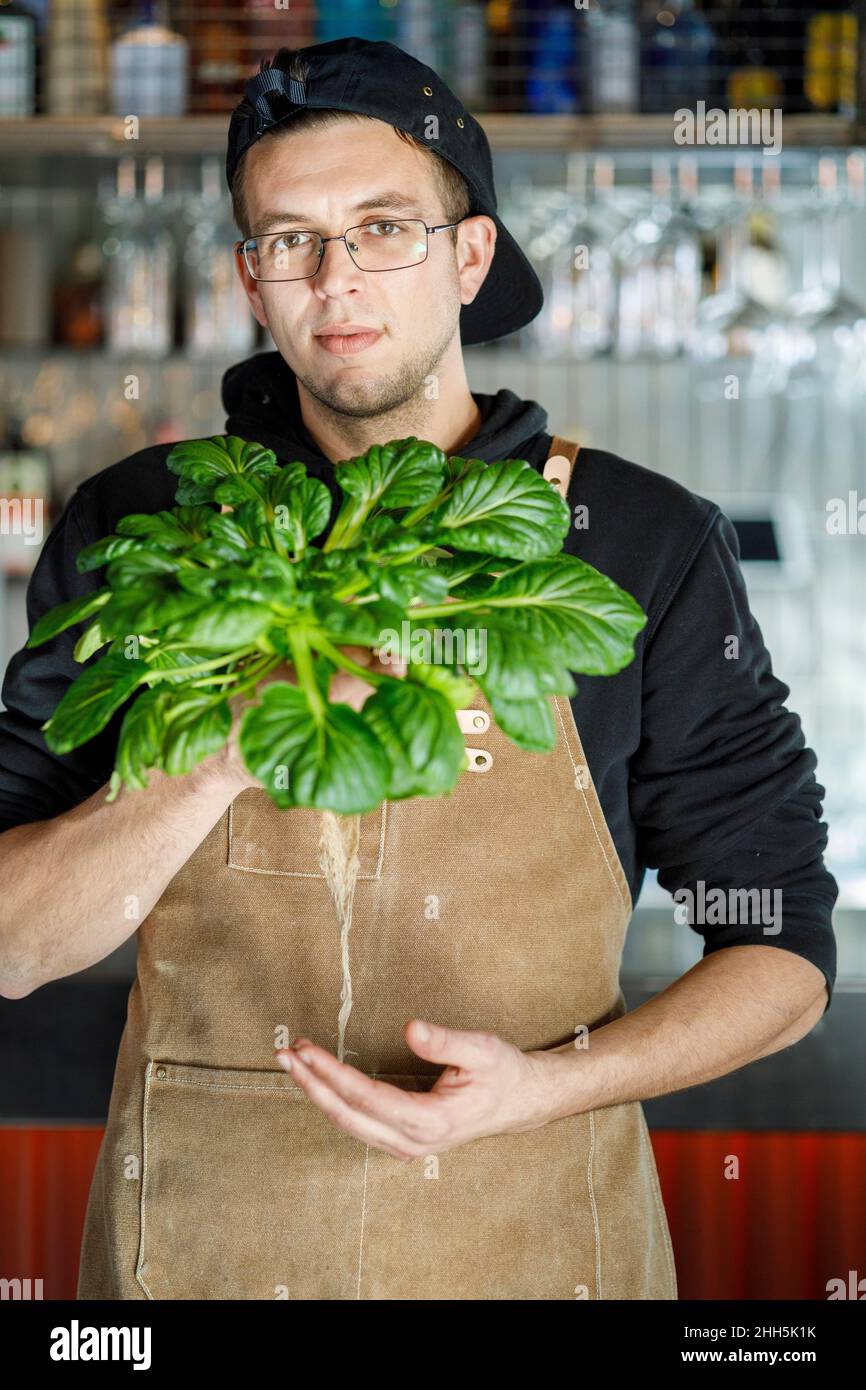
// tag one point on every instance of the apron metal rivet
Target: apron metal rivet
(478, 759)
(478, 721)
(557, 472)
(160, 1071)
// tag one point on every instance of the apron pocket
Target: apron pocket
(248, 1191)
(509, 1216)
(265, 840)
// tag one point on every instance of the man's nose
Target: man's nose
(337, 271)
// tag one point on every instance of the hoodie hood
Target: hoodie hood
(260, 396)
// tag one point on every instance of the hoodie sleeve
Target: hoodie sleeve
(36, 784)
(722, 787)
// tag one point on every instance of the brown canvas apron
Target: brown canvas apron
(502, 907)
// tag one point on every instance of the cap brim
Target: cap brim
(510, 297)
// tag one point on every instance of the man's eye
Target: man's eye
(290, 240)
(387, 229)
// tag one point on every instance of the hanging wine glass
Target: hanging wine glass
(738, 338)
(594, 281)
(549, 247)
(569, 244)
(658, 259)
(678, 260)
(831, 324)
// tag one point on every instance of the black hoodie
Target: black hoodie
(700, 770)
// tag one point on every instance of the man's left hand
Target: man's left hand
(488, 1087)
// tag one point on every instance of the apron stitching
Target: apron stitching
(138, 1268)
(304, 873)
(236, 1085)
(100, 1175)
(363, 1213)
(288, 873)
(593, 1205)
(204, 1085)
(659, 1204)
(582, 790)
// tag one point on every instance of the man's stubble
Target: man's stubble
(402, 395)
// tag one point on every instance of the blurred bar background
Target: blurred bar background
(704, 317)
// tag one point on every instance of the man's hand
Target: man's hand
(488, 1087)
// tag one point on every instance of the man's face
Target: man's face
(327, 180)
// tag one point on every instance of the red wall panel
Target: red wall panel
(44, 1181)
(793, 1218)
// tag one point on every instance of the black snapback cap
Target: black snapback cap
(380, 80)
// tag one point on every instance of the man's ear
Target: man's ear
(251, 289)
(476, 243)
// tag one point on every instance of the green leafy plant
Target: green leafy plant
(429, 559)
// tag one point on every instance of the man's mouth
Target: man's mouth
(344, 339)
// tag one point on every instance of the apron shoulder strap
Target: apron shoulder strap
(560, 462)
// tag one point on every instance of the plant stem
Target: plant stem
(254, 674)
(340, 659)
(345, 529)
(303, 663)
(356, 588)
(212, 680)
(441, 610)
(412, 517)
(160, 672)
(413, 554)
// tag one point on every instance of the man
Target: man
(479, 1134)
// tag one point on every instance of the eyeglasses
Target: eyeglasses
(296, 255)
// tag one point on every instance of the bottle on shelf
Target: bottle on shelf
(217, 317)
(506, 57)
(678, 57)
(425, 29)
(848, 61)
(219, 55)
(78, 299)
(18, 61)
(468, 70)
(831, 60)
(612, 39)
(268, 28)
(76, 78)
(785, 30)
(149, 66)
(27, 248)
(367, 19)
(552, 29)
(756, 76)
